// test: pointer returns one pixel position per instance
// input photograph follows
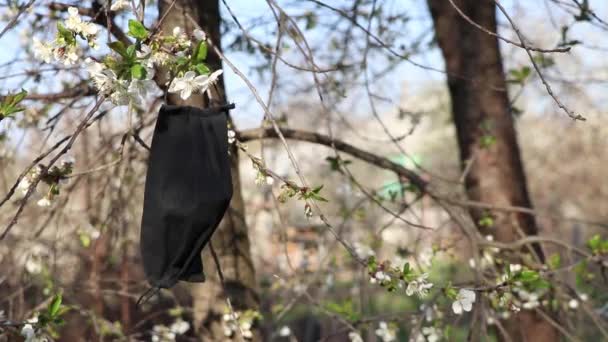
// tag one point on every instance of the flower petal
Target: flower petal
(457, 307)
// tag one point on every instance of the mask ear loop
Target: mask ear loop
(146, 296)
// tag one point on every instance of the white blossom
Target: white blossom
(28, 332)
(385, 333)
(515, 268)
(188, 84)
(381, 276)
(44, 202)
(120, 5)
(24, 185)
(33, 265)
(103, 78)
(231, 136)
(43, 51)
(284, 331)
(199, 34)
(180, 36)
(68, 54)
(530, 300)
(419, 286)
(355, 337)
(179, 327)
(573, 304)
(464, 301)
(75, 23)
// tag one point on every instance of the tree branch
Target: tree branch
(321, 139)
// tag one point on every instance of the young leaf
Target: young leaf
(200, 52)
(119, 47)
(65, 34)
(137, 30)
(55, 305)
(18, 97)
(202, 69)
(131, 52)
(138, 72)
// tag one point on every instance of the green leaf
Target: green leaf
(85, 240)
(55, 305)
(9, 103)
(181, 61)
(137, 30)
(200, 52)
(202, 69)
(519, 75)
(18, 97)
(119, 47)
(555, 261)
(131, 52)
(594, 243)
(138, 72)
(65, 34)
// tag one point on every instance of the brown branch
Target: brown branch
(68, 94)
(321, 139)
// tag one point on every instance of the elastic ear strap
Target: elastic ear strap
(146, 296)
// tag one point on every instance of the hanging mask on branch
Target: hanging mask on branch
(188, 189)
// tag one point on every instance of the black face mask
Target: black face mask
(188, 189)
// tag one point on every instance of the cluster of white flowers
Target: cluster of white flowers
(419, 286)
(28, 180)
(191, 83)
(386, 333)
(75, 24)
(380, 277)
(464, 301)
(161, 333)
(233, 323)
(180, 37)
(65, 49)
(120, 91)
(64, 168)
(529, 301)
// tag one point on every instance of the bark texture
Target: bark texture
(486, 133)
(230, 241)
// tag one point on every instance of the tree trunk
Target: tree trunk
(230, 241)
(486, 133)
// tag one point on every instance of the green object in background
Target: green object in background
(392, 188)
